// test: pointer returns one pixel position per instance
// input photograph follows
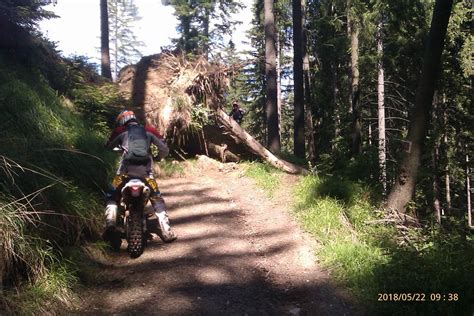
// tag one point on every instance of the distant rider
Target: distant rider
(237, 113)
(135, 139)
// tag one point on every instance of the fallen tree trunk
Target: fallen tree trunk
(222, 151)
(234, 128)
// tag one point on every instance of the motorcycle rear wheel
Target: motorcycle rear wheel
(135, 235)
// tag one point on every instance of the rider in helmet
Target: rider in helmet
(125, 135)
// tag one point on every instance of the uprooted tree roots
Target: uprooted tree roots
(183, 98)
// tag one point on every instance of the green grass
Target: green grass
(170, 169)
(370, 259)
(53, 170)
(49, 292)
(265, 176)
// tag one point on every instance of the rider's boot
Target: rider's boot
(111, 209)
(111, 212)
(164, 229)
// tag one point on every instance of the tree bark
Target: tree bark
(116, 35)
(447, 187)
(435, 158)
(278, 67)
(222, 152)
(468, 193)
(403, 190)
(353, 30)
(370, 134)
(381, 110)
(235, 129)
(104, 40)
(309, 129)
(335, 105)
(298, 119)
(436, 199)
(273, 135)
(334, 86)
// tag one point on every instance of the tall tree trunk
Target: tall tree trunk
(447, 186)
(468, 191)
(298, 122)
(116, 42)
(436, 199)
(334, 86)
(207, 13)
(402, 191)
(435, 159)
(381, 110)
(273, 139)
(353, 32)
(447, 180)
(104, 40)
(369, 136)
(335, 105)
(278, 67)
(309, 129)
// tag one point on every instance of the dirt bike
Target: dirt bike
(133, 217)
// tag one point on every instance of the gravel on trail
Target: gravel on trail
(238, 252)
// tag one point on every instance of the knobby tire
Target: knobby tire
(135, 234)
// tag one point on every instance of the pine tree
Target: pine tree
(203, 23)
(237, 88)
(404, 187)
(125, 45)
(327, 40)
(254, 74)
(18, 19)
(390, 54)
(24, 13)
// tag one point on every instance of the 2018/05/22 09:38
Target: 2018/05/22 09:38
(417, 297)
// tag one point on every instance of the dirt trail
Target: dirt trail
(238, 253)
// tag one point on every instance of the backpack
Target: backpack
(238, 115)
(138, 145)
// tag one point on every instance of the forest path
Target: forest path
(238, 253)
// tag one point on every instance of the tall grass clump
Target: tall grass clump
(264, 175)
(31, 262)
(53, 171)
(373, 257)
(333, 214)
(51, 291)
(18, 250)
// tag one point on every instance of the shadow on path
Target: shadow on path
(217, 267)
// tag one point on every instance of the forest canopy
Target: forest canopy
(368, 101)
